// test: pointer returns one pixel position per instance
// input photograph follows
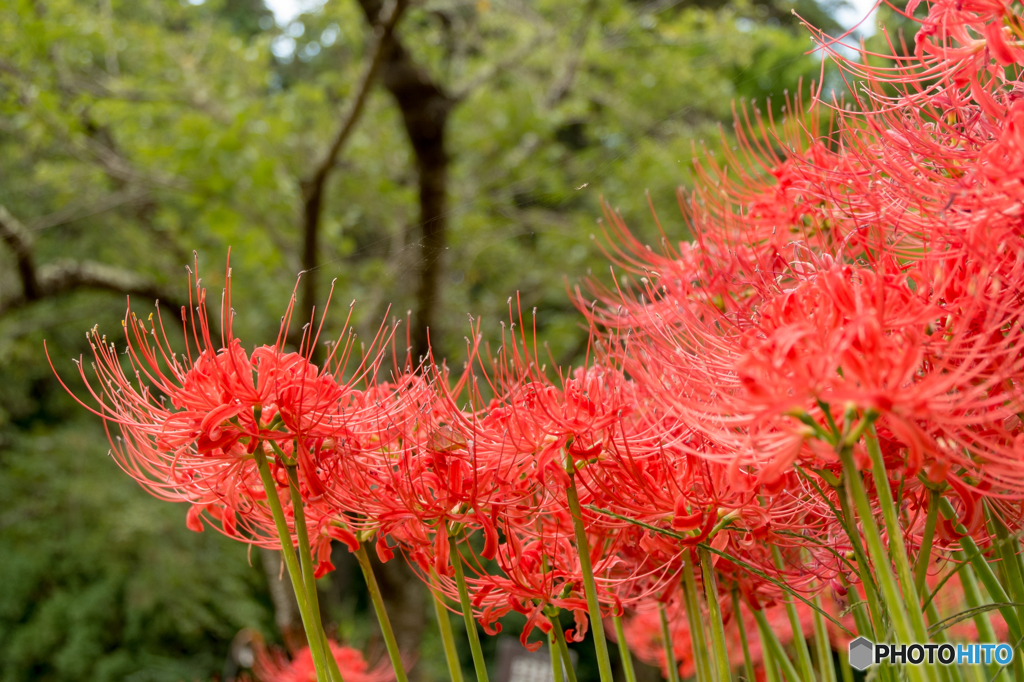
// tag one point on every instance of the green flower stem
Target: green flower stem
(983, 571)
(1009, 565)
(844, 667)
(479, 664)
(624, 654)
(604, 664)
(715, 616)
(292, 564)
(924, 556)
(666, 640)
(803, 654)
(769, 642)
(949, 673)
(876, 624)
(308, 576)
(1013, 563)
(974, 599)
(700, 650)
(822, 647)
(556, 657)
(897, 548)
(860, 617)
(382, 615)
(748, 664)
(563, 648)
(771, 668)
(895, 606)
(444, 626)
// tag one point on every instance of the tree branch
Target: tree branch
(64, 276)
(313, 186)
(19, 241)
(382, 32)
(67, 276)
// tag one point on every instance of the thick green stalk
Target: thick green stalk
(1009, 565)
(770, 642)
(861, 619)
(666, 641)
(860, 615)
(563, 647)
(556, 657)
(924, 556)
(624, 654)
(715, 616)
(771, 668)
(975, 599)
(822, 647)
(876, 624)
(803, 654)
(1013, 561)
(479, 663)
(292, 564)
(444, 626)
(897, 548)
(604, 664)
(748, 664)
(308, 574)
(844, 667)
(382, 615)
(983, 572)
(700, 650)
(977, 674)
(895, 606)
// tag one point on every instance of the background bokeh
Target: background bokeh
(135, 133)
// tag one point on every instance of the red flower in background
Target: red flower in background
(274, 666)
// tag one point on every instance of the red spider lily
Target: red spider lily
(274, 666)
(188, 425)
(516, 449)
(745, 336)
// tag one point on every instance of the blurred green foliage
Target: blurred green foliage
(134, 132)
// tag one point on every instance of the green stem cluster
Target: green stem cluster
(310, 620)
(303, 575)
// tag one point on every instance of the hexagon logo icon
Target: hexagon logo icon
(862, 653)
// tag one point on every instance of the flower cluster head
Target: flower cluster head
(190, 425)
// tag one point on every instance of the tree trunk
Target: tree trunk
(425, 107)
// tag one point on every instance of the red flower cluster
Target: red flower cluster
(853, 284)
